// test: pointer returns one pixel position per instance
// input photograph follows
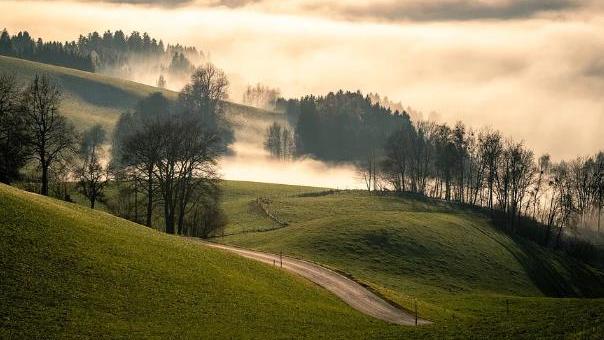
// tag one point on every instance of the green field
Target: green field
(90, 98)
(462, 271)
(68, 271)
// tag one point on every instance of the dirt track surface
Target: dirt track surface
(357, 296)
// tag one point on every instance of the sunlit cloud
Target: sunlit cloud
(537, 76)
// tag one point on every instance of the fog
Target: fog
(536, 73)
(251, 162)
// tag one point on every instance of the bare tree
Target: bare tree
(279, 141)
(92, 174)
(491, 148)
(261, 96)
(599, 187)
(14, 139)
(367, 171)
(190, 140)
(161, 82)
(136, 146)
(52, 135)
(538, 191)
(272, 142)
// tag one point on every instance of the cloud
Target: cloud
(177, 3)
(450, 10)
(167, 3)
(537, 79)
(390, 10)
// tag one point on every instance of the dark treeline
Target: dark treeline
(96, 52)
(67, 54)
(341, 126)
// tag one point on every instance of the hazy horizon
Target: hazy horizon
(533, 70)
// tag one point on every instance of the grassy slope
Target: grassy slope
(91, 98)
(67, 271)
(243, 214)
(454, 262)
(88, 97)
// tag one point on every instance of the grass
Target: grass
(461, 270)
(90, 98)
(68, 271)
(239, 202)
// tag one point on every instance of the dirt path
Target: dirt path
(357, 296)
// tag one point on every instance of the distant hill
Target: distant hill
(91, 98)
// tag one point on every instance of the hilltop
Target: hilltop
(459, 267)
(90, 98)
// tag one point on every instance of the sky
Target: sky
(532, 69)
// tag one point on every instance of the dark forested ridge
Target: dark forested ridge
(341, 126)
(548, 202)
(95, 52)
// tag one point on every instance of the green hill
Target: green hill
(460, 268)
(68, 271)
(91, 98)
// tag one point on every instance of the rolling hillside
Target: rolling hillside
(68, 271)
(91, 98)
(71, 271)
(463, 272)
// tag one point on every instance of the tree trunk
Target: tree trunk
(559, 237)
(135, 201)
(44, 190)
(599, 217)
(149, 198)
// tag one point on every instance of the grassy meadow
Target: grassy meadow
(465, 275)
(71, 272)
(91, 98)
(68, 271)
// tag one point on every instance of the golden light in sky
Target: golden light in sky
(534, 70)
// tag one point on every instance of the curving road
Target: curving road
(357, 296)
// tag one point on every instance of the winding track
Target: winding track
(355, 295)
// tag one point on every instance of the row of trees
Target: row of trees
(261, 96)
(280, 142)
(485, 169)
(169, 151)
(33, 132)
(453, 163)
(23, 46)
(110, 52)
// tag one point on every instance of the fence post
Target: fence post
(281, 258)
(416, 312)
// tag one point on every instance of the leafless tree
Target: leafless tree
(52, 134)
(14, 137)
(91, 173)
